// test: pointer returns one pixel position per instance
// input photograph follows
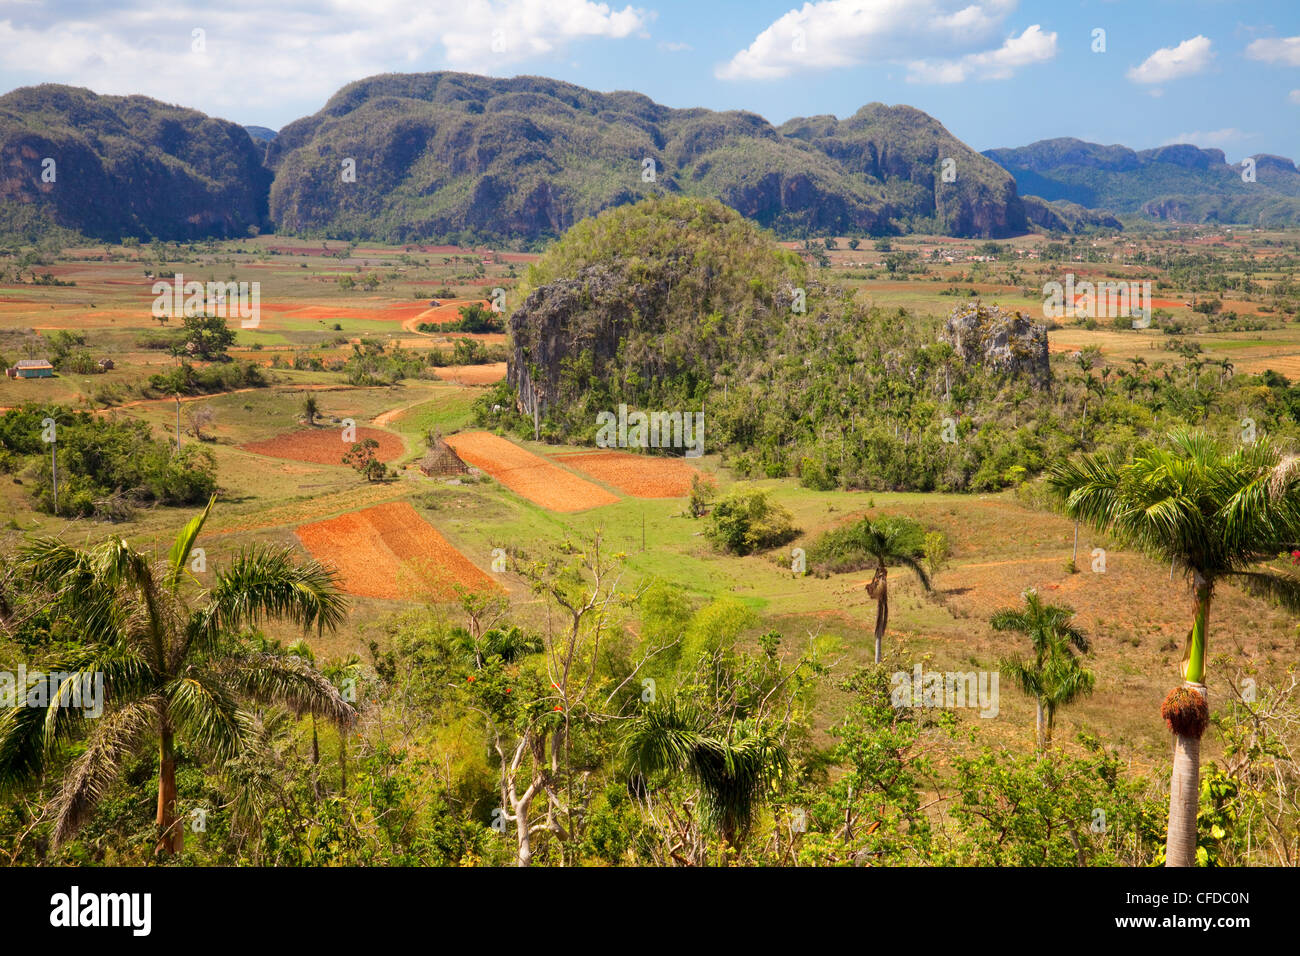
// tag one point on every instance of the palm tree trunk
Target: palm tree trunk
(1184, 791)
(1047, 731)
(315, 759)
(882, 608)
(1184, 783)
(343, 761)
(171, 838)
(1038, 726)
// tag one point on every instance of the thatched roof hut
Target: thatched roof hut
(440, 459)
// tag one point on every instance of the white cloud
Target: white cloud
(1032, 46)
(1294, 96)
(844, 33)
(1210, 138)
(670, 46)
(256, 60)
(1274, 50)
(1171, 63)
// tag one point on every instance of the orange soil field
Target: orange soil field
(382, 312)
(325, 446)
(488, 374)
(642, 476)
(527, 474)
(389, 551)
(300, 512)
(449, 311)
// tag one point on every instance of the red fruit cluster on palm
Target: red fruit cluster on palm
(1186, 712)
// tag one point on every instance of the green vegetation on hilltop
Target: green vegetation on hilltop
(681, 305)
(125, 166)
(453, 154)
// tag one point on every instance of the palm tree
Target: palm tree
(339, 671)
(888, 540)
(1090, 384)
(733, 766)
(1055, 677)
(310, 408)
(171, 662)
(302, 649)
(1215, 513)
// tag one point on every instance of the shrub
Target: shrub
(476, 318)
(748, 520)
(703, 491)
(362, 458)
(104, 465)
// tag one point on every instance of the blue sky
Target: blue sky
(995, 72)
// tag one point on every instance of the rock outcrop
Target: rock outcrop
(998, 341)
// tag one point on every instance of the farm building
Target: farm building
(441, 460)
(31, 368)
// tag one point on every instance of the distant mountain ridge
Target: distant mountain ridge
(115, 166)
(1181, 182)
(401, 157)
(437, 153)
(456, 156)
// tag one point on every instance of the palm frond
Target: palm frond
(266, 583)
(1273, 586)
(916, 568)
(663, 737)
(1024, 674)
(179, 555)
(205, 712)
(117, 735)
(288, 681)
(22, 746)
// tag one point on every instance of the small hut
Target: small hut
(31, 368)
(442, 460)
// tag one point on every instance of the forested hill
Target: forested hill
(114, 166)
(1178, 183)
(437, 153)
(680, 304)
(458, 156)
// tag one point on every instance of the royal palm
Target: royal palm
(1054, 677)
(172, 664)
(1214, 513)
(888, 540)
